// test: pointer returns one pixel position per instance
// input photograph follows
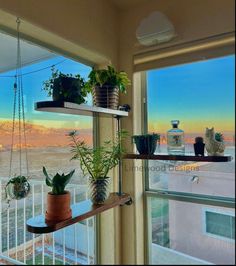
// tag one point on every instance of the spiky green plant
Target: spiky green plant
(219, 137)
(97, 162)
(58, 182)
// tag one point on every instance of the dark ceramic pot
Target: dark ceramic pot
(106, 97)
(67, 89)
(99, 190)
(146, 144)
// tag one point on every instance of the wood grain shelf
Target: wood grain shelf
(76, 109)
(80, 212)
(192, 158)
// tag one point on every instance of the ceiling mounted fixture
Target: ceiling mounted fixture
(155, 29)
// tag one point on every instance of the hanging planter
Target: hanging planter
(105, 85)
(65, 88)
(17, 188)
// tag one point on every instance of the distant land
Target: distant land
(39, 136)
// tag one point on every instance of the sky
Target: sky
(199, 94)
(32, 85)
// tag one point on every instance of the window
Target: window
(220, 224)
(199, 94)
(48, 145)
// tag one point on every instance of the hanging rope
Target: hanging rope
(19, 99)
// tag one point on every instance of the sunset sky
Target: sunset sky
(200, 95)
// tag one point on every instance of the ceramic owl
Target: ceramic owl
(213, 147)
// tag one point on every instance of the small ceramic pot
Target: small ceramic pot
(146, 144)
(106, 97)
(99, 190)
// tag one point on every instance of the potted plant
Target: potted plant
(58, 200)
(17, 188)
(146, 144)
(97, 162)
(65, 87)
(105, 85)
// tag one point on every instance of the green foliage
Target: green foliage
(97, 162)
(58, 182)
(54, 82)
(219, 137)
(108, 77)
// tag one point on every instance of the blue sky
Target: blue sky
(32, 85)
(199, 94)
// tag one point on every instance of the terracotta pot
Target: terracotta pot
(106, 97)
(58, 207)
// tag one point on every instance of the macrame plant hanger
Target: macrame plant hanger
(18, 186)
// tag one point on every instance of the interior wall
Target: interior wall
(193, 20)
(90, 25)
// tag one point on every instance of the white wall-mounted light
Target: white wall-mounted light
(155, 29)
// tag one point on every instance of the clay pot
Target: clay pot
(106, 97)
(58, 207)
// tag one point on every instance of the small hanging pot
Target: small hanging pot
(67, 89)
(99, 190)
(17, 188)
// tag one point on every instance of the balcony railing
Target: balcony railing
(73, 245)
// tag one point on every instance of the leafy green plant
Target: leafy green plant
(54, 85)
(219, 137)
(108, 77)
(97, 162)
(58, 182)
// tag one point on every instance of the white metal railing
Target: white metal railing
(72, 245)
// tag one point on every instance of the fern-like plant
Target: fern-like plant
(97, 162)
(58, 182)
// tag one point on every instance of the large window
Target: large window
(199, 95)
(48, 145)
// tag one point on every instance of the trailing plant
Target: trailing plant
(219, 137)
(58, 182)
(97, 162)
(108, 77)
(55, 83)
(17, 187)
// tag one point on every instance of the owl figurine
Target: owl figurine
(213, 146)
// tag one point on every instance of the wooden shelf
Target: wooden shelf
(80, 212)
(166, 157)
(76, 109)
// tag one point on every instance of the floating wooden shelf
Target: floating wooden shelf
(80, 212)
(192, 158)
(76, 109)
